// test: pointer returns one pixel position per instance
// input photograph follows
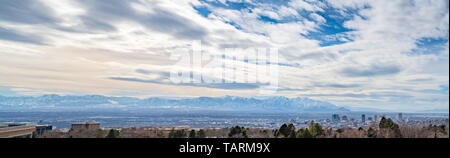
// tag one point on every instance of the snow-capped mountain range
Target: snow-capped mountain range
(268, 104)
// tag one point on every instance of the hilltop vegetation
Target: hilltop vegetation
(385, 129)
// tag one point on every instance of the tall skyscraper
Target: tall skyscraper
(400, 117)
(336, 118)
(375, 118)
(363, 118)
(344, 118)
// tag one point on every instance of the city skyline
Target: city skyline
(389, 55)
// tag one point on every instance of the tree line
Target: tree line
(386, 128)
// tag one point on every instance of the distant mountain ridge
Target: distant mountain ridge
(281, 104)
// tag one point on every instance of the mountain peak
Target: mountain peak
(268, 104)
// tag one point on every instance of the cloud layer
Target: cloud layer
(379, 54)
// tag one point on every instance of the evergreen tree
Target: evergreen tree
(389, 124)
(192, 134)
(99, 133)
(201, 134)
(292, 134)
(371, 133)
(177, 133)
(304, 134)
(171, 133)
(315, 129)
(113, 134)
(283, 131)
(276, 133)
(340, 130)
(442, 129)
(237, 132)
(244, 134)
(286, 131)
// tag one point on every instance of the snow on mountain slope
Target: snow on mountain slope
(207, 103)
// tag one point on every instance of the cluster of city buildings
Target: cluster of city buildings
(364, 120)
(352, 120)
(342, 120)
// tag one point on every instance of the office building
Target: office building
(336, 118)
(344, 118)
(90, 125)
(41, 129)
(400, 117)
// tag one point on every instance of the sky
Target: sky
(383, 54)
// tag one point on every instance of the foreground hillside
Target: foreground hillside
(385, 129)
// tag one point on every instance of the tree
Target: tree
(304, 134)
(286, 131)
(192, 134)
(275, 133)
(239, 132)
(315, 129)
(442, 129)
(292, 134)
(437, 129)
(291, 129)
(34, 134)
(371, 133)
(171, 133)
(283, 131)
(201, 134)
(177, 133)
(113, 134)
(99, 133)
(390, 125)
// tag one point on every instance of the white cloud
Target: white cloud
(303, 5)
(318, 18)
(86, 45)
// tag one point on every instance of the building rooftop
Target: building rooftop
(15, 124)
(16, 129)
(87, 122)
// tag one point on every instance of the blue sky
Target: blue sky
(375, 54)
(332, 25)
